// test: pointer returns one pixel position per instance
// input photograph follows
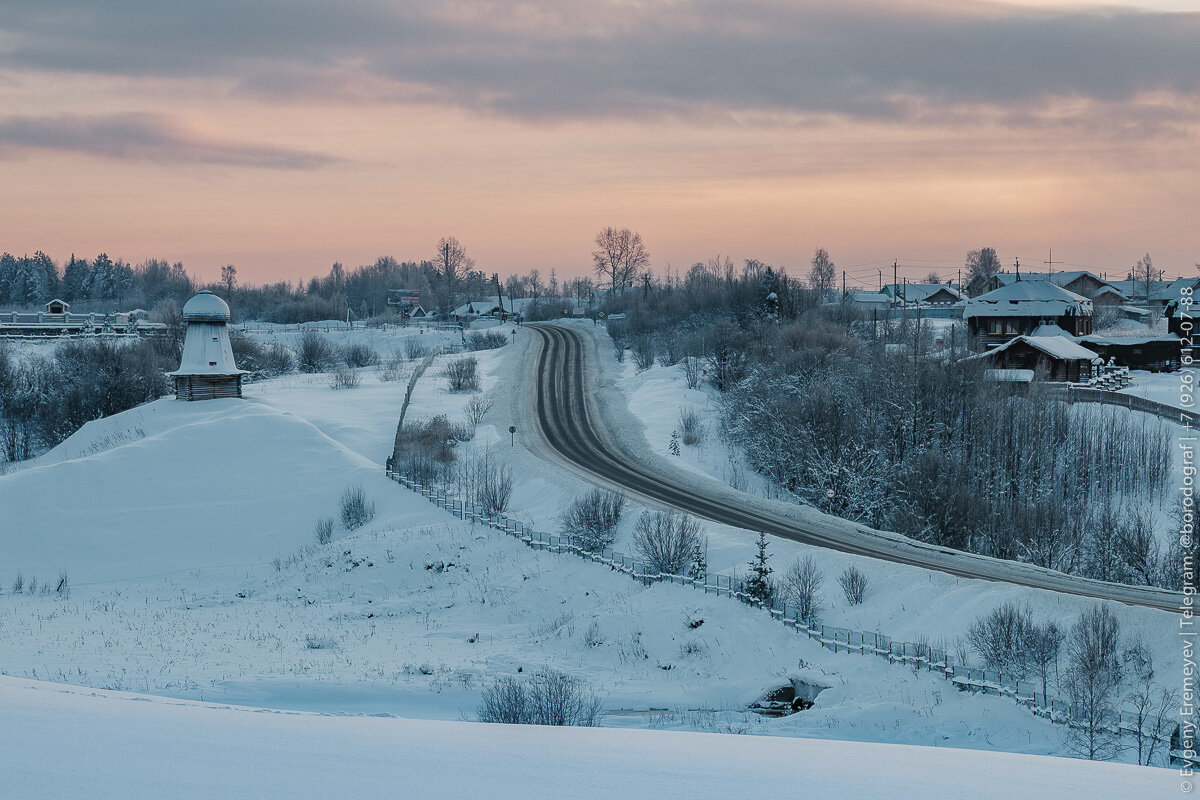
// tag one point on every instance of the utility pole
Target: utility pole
(895, 282)
(1018, 269)
(881, 281)
(843, 284)
(1050, 263)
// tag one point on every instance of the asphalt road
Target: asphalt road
(570, 430)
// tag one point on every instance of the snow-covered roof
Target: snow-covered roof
(921, 292)
(1053, 346)
(477, 308)
(869, 298)
(1028, 299)
(1048, 330)
(205, 307)
(1127, 341)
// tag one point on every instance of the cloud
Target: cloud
(143, 137)
(581, 59)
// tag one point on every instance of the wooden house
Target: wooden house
(57, 306)
(1021, 307)
(1057, 358)
(923, 294)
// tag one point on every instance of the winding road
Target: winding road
(570, 429)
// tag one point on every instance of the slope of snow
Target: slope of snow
(173, 486)
(66, 748)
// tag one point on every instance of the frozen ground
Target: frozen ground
(187, 532)
(1172, 388)
(66, 748)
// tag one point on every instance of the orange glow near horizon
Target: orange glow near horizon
(387, 171)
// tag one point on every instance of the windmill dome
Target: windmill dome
(205, 307)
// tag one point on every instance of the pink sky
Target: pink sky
(283, 135)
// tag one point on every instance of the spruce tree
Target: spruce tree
(674, 443)
(759, 585)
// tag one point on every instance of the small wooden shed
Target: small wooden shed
(1056, 357)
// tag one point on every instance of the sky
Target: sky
(283, 135)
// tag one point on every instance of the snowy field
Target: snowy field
(181, 750)
(187, 531)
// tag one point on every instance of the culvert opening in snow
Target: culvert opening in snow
(796, 695)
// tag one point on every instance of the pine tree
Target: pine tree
(699, 566)
(674, 443)
(759, 585)
(75, 278)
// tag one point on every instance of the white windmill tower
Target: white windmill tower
(207, 370)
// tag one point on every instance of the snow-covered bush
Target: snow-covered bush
(462, 375)
(477, 408)
(486, 340)
(854, 585)
(491, 485)
(314, 353)
(344, 378)
(690, 426)
(325, 530)
(592, 519)
(668, 541)
(548, 697)
(359, 354)
(392, 368)
(357, 510)
(416, 347)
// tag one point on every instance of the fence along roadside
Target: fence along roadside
(917, 655)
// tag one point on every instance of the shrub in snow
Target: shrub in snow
(314, 353)
(486, 340)
(357, 510)
(548, 697)
(854, 585)
(392, 368)
(691, 426)
(415, 347)
(668, 541)
(18, 584)
(325, 530)
(477, 408)
(592, 519)
(344, 378)
(801, 588)
(462, 375)
(642, 350)
(359, 354)
(492, 486)
(426, 448)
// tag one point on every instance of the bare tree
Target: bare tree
(1093, 674)
(229, 278)
(854, 584)
(823, 274)
(982, 264)
(1143, 271)
(619, 256)
(453, 262)
(933, 278)
(801, 586)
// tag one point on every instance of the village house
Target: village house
(1053, 358)
(923, 294)
(1080, 282)
(1019, 308)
